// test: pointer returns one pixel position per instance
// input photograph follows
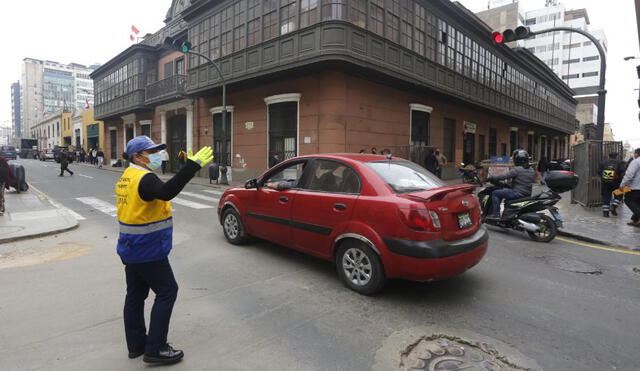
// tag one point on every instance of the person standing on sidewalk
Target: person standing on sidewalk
(94, 156)
(431, 162)
(442, 160)
(144, 244)
(632, 180)
(100, 156)
(64, 163)
(6, 176)
(611, 172)
(165, 160)
(182, 159)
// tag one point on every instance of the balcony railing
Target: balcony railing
(172, 87)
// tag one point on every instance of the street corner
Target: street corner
(434, 348)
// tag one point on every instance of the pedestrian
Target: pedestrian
(100, 158)
(144, 244)
(165, 160)
(274, 160)
(374, 151)
(543, 168)
(6, 177)
(182, 159)
(64, 162)
(386, 152)
(442, 160)
(632, 180)
(611, 173)
(90, 156)
(82, 155)
(431, 162)
(362, 151)
(94, 156)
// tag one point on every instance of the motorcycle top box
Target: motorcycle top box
(560, 181)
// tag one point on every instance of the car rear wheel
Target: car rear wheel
(233, 228)
(360, 268)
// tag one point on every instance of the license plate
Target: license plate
(556, 216)
(464, 220)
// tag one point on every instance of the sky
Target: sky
(89, 32)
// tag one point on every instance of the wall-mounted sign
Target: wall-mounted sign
(307, 140)
(469, 127)
(249, 125)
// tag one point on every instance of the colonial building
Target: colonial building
(333, 76)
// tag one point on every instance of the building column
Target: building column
(163, 127)
(189, 109)
(124, 137)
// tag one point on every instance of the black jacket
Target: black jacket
(431, 163)
(614, 165)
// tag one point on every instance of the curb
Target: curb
(68, 216)
(595, 240)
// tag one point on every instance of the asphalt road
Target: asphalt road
(264, 307)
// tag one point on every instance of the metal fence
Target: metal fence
(587, 157)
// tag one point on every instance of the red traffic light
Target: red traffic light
(497, 37)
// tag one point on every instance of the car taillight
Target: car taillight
(420, 219)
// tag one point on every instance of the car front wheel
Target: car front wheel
(360, 268)
(233, 227)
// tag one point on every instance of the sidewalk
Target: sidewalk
(30, 214)
(588, 224)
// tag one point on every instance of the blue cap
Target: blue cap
(142, 143)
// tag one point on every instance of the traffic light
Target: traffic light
(177, 44)
(508, 35)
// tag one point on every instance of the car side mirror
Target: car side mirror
(251, 183)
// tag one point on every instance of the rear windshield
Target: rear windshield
(405, 177)
(8, 148)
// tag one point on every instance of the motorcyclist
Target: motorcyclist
(611, 174)
(522, 177)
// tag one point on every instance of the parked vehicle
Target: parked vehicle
(28, 148)
(375, 217)
(8, 152)
(47, 154)
(470, 174)
(529, 214)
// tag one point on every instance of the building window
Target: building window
(587, 43)
(283, 125)
(308, 12)
(572, 76)
(145, 129)
(393, 24)
(571, 46)
(407, 35)
(376, 17)
(227, 43)
(288, 16)
(590, 74)
(449, 139)
(571, 61)
(420, 122)
(239, 38)
(530, 21)
(513, 140)
(222, 136)
(358, 14)
(334, 9)
(493, 142)
(270, 25)
(253, 26)
(594, 58)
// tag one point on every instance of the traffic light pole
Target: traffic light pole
(603, 69)
(223, 166)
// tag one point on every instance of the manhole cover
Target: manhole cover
(571, 265)
(636, 270)
(442, 353)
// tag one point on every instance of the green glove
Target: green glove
(203, 157)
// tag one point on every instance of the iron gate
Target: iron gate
(587, 157)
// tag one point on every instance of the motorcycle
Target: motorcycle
(528, 214)
(470, 174)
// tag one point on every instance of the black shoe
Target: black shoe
(71, 174)
(605, 214)
(60, 175)
(165, 355)
(133, 355)
(614, 212)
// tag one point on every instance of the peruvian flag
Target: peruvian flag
(135, 33)
(87, 106)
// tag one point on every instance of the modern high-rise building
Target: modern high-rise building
(49, 86)
(571, 56)
(16, 110)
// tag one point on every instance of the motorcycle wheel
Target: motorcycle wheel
(548, 230)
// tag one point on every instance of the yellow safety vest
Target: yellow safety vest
(146, 227)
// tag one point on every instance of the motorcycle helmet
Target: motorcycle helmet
(521, 158)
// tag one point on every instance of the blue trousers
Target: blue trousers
(503, 194)
(158, 277)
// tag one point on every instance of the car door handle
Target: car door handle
(341, 207)
(284, 199)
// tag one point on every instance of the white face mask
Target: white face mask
(155, 161)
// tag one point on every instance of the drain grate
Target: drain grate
(442, 353)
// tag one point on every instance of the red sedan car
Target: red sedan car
(375, 217)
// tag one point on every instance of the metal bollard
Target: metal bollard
(214, 170)
(223, 175)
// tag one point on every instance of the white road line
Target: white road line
(85, 176)
(219, 193)
(191, 204)
(99, 205)
(73, 213)
(201, 197)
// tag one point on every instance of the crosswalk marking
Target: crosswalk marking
(99, 205)
(85, 176)
(219, 193)
(187, 203)
(73, 213)
(201, 197)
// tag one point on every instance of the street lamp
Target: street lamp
(186, 48)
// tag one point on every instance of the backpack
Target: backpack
(610, 173)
